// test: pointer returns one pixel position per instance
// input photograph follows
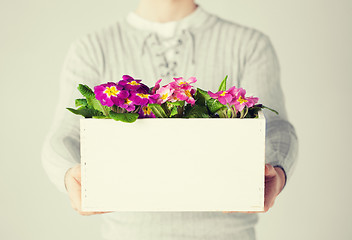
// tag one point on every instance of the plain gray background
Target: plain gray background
(313, 42)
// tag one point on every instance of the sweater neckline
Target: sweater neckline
(197, 20)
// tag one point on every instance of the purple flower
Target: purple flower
(132, 84)
(146, 112)
(127, 104)
(143, 98)
(109, 93)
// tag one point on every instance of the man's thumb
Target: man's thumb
(269, 170)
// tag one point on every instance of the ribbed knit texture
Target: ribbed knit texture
(208, 48)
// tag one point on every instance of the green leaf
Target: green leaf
(101, 117)
(124, 117)
(253, 112)
(270, 109)
(86, 91)
(157, 110)
(214, 105)
(94, 103)
(81, 102)
(85, 112)
(173, 111)
(197, 111)
(201, 96)
(177, 104)
(222, 86)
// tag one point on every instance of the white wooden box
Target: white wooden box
(173, 164)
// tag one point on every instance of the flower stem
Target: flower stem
(244, 115)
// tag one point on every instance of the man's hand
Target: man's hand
(274, 182)
(73, 187)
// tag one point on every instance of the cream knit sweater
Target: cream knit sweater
(201, 45)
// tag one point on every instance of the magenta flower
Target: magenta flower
(156, 86)
(146, 112)
(143, 99)
(224, 97)
(109, 93)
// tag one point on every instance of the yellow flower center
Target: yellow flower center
(223, 93)
(241, 100)
(111, 91)
(127, 101)
(188, 93)
(181, 83)
(146, 110)
(164, 96)
(142, 95)
(134, 83)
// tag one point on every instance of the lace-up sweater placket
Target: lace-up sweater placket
(201, 45)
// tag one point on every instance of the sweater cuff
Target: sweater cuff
(282, 147)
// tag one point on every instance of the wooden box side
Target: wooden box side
(173, 165)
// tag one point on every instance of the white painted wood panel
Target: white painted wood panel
(173, 165)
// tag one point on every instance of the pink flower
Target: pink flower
(109, 93)
(165, 93)
(185, 95)
(181, 83)
(240, 100)
(224, 97)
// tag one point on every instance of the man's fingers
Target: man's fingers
(241, 211)
(76, 173)
(74, 193)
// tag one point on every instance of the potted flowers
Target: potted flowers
(194, 150)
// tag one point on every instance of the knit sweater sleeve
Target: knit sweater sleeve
(261, 76)
(61, 149)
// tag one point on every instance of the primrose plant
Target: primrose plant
(130, 99)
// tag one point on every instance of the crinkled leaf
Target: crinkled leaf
(124, 117)
(81, 102)
(85, 112)
(197, 111)
(86, 91)
(214, 105)
(157, 110)
(222, 86)
(201, 96)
